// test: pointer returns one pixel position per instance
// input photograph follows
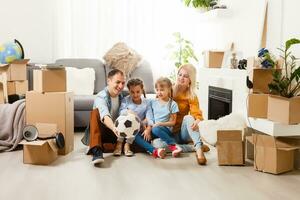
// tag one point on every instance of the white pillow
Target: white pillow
(208, 128)
(80, 81)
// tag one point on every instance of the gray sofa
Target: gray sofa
(83, 104)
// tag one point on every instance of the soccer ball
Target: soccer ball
(127, 125)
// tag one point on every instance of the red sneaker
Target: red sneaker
(159, 153)
(176, 150)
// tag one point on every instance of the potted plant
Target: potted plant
(181, 51)
(205, 4)
(284, 103)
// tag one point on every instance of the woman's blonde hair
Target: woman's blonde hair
(165, 83)
(192, 72)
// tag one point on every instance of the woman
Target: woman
(186, 128)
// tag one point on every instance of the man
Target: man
(102, 128)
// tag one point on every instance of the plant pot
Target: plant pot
(284, 110)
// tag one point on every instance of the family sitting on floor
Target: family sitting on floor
(172, 117)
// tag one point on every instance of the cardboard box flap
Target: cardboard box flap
(249, 139)
(4, 65)
(283, 98)
(35, 143)
(20, 61)
(263, 140)
(46, 129)
(269, 141)
(52, 145)
(229, 135)
(288, 148)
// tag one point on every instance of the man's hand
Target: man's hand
(116, 132)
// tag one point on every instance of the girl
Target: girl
(186, 129)
(138, 105)
(164, 114)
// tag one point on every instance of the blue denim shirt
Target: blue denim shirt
(103, 103)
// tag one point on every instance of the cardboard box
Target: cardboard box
(55, 108)
(284, 110)
(258, 105)
(16, 71)
(49, 80)
(3, 88)
(17, 87)
(2, 100)
(40, 152)
(230, 147)
(261, 79)
(213, 59)
(272, 155)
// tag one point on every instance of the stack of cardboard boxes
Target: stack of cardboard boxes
(52, 108)
(13, 80)
(271, 154)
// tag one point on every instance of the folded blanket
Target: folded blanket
(12, 122)
(208, 128)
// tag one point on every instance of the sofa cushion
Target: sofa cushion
(144, 72)
(84, 102)
(96, 64)
(80, 81)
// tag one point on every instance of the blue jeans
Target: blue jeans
(163, 133)
(139, 140)
(185, 136)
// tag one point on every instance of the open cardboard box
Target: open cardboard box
(284, 110)
(230, 147)
(271, 154)
(54, 108)
(49, 80)
(16, 71)
(261, 78)
(40, 152)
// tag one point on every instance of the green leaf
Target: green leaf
(187, 2)
(291, 42)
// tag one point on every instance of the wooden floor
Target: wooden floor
(139, 177)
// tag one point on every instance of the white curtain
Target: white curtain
(88, 28)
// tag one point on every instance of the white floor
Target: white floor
(140, 177)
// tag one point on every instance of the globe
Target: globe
(11, 51)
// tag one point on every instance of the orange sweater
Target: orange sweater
(186, 106)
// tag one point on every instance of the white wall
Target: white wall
(31, 22)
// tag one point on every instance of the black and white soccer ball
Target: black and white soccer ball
(127, 125)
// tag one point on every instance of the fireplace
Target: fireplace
(219, 102)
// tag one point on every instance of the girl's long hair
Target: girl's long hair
(165, 83)
(136, 82)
